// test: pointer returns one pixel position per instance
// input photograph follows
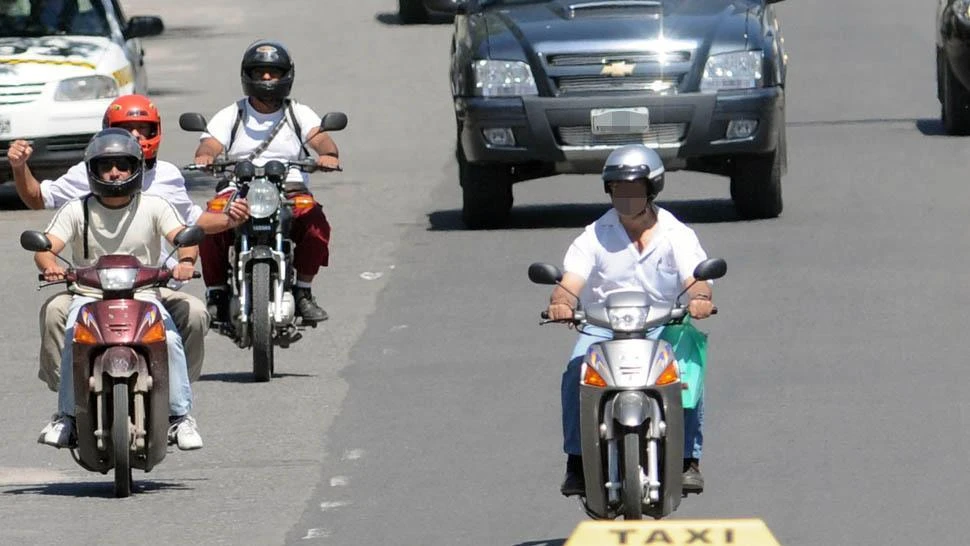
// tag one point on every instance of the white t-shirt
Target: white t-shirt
(605, 256)
(254, 129)
(135, 229)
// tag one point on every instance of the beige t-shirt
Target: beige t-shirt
(134, 230)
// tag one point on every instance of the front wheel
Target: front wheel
(756, 183)
(121, 440)
(632, 482)
(956, 102)
(262, 333)
(486, 191)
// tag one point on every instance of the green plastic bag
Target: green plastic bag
(690, 350)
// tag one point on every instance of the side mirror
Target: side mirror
(446, 6)
(190, 236)
(35, 241)
(191, 121)
(541, 273)
(709, 269)
(143, 26)
(333, 121)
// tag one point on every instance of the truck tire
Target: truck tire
(955, 110)
(756, 183)
(412, 12)
(486, 193)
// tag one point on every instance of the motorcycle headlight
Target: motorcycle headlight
(86, 88)
(627, 319)
(503, 79)
(739, 70)
(117, 278)
(264, 199)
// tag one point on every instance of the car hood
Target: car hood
(49, 58)
(570, 25)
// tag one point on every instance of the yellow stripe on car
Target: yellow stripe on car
(123, 76)
(47, 61)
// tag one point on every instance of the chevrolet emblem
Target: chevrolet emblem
(618, 69)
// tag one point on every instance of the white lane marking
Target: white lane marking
(331, 505)
(339, 481)
(353, 454)
(316, 533)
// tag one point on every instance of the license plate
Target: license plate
(5, 125)
(619, 121)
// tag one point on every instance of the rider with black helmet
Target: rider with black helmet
(116, 218)
(266, 124)
(635, 245)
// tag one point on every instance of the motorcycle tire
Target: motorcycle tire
(262, 333)
(121, 440)
(632, 494)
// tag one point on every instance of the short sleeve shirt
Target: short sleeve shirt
(256, 127)
(605, 256)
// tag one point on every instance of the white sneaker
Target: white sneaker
(185, 433)
(59, 432)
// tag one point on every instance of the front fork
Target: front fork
(281, 258)
(655, 430)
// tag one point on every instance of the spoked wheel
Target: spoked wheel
(262, 333)
(632, 484)
(121, 440)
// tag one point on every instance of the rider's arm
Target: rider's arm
(28, 187)
(208, 147)
(46, 259)
(321, 143)
(571, 282)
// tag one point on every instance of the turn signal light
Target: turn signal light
(154, 334)
(669, 374)
(591, 377)
(84, 335)
(303, 202)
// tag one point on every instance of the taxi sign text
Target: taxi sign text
(738, 532)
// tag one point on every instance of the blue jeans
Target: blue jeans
(693, 418)
(179, 391)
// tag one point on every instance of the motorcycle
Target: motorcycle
(631, 416)
(262, 310)
(120, 364)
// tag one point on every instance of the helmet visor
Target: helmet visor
(114, 168)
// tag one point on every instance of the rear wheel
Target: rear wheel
(632, 484)
(412, 12)
(486, 191)
(956, 102)
(262, 324)
(121, 440)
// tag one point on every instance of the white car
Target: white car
(61, 63)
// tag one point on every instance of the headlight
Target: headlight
(86, 88)
(627, 319)
(961, 8)
(117, 278)
(503, 79)
(740, 70)
(264, 199)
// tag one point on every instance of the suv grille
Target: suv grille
(581, 59)
(664, 85)
(658, 134)
(619, 72)
(20, 93)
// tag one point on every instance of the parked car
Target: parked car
(543, 87)
(953, 64)
(59, 71)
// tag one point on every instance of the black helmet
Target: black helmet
(635, 162)
(114, 145)
(267, 54)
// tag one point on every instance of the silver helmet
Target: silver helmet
(634, 162)
(118, 147)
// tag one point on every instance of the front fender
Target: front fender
(631, 408)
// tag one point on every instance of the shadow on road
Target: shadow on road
(578, 215)
(931, 127)
(547, 542)
(391, 18)
(246, 377)
(102, 489)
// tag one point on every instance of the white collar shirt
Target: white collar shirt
(605, 256)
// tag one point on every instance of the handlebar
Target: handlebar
(303, 165)
(681, 311)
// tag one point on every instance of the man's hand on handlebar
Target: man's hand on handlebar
(700, 307)
(328, 163)
(238, 212)
(54, 273)
(183, 271)
(204, 160)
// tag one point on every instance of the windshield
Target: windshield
(34, 18)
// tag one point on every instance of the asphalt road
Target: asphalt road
(426, 411)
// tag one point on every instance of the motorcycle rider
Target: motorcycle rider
(117, 218)
(635, 245)
(264, 125)
(138, 115)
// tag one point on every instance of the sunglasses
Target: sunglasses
(258, 73)
(104, 165)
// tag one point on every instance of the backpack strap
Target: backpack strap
(240, 114)
(87, 216)
(296, 127)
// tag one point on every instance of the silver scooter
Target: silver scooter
(631, 417)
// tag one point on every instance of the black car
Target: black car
(543, 87)
(953, 64)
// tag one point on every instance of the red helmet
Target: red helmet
(137, 108)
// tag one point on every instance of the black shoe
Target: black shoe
(692, 481)
(307, 307)
(575, 481)
(217, 302)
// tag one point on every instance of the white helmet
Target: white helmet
(634, 162)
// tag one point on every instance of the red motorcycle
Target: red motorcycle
(120, 364)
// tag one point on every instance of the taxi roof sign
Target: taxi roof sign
(678, 532)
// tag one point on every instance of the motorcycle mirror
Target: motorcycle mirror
(35, 241)
(541, 273)
(192, 121)
(190, 236)
(333, 121)
(712, 268)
